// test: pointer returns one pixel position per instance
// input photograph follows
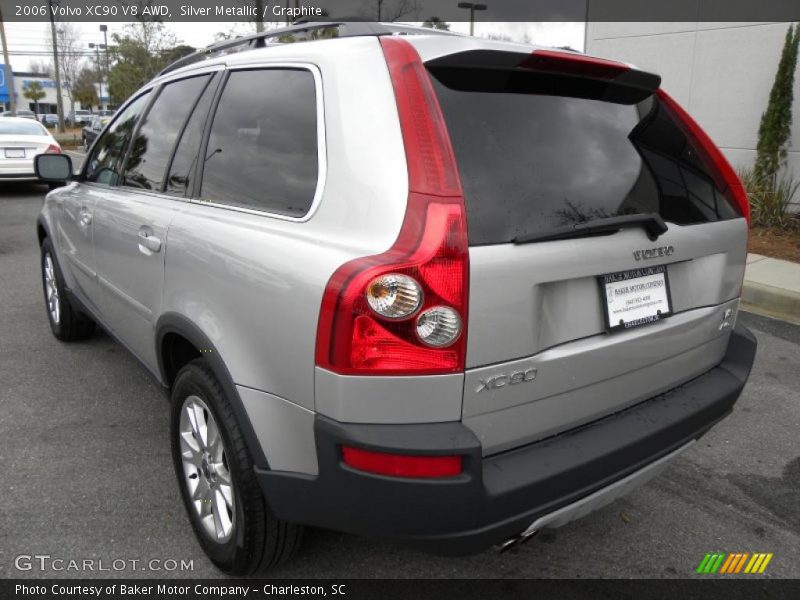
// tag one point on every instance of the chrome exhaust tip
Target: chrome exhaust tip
(511, 542)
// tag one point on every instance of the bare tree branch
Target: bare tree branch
(70, 60)
(393, 10)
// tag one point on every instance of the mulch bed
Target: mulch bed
(775, 242)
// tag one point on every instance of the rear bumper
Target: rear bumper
(502, 495)
(11, 170)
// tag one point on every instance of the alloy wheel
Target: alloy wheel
(51, 290)
(206, 471)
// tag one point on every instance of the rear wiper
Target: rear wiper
(652, 223)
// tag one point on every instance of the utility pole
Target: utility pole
(12, 92)
(59, 99)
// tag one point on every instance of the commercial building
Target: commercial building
(48, 104)
(721, 72)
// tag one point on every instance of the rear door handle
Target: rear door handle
(148, 241)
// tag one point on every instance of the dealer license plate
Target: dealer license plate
(637, 297)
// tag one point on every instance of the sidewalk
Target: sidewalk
(772, 288)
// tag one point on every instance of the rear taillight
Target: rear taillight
(53, 149)
(401, 465)
(715, 162)
(404, 312)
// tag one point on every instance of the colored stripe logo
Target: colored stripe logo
(734, 562)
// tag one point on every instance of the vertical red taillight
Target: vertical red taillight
(708, 152)
(431, 249)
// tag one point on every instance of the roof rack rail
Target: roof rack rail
(306, 30)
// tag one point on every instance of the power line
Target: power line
(46, 53)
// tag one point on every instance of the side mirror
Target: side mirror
(53, 167)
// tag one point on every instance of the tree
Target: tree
(41, 67)
(140, 53)
(776, 121)
(34, 91)
(499, 37)
(176, 53)
(436, 23)
(84, 89)
(394, 11)
(70, 59)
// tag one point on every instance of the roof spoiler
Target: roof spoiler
(559, 73)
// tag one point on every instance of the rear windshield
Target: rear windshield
(21, 128)
(530, 163)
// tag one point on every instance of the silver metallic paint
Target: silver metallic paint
(285, 431)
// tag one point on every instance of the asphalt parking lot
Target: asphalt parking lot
(87, 472)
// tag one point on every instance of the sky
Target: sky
(31, 41)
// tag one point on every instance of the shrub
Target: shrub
(769, 202)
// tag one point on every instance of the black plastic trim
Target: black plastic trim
(181, 325)
(497, 497)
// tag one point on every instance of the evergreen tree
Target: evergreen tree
(84, 90)
(776, 122)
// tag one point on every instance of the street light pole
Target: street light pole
(104, 29)
(59, 99)
(96, 48)
(472, 7)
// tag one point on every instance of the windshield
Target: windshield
(21, 128)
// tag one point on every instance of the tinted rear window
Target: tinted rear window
(21, 128)
(262, 151)
(530, 163)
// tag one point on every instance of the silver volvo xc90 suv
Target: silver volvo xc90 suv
(405, 283)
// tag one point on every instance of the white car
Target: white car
(20, 140)
(82, 117)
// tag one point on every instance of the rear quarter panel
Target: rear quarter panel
(254, 283)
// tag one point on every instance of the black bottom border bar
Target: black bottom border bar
(727, 588)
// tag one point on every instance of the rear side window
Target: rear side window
(102, 165)
(532, 162)
(146, 163)
(184, 163)
(263, 151)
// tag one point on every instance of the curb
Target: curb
(771, 301)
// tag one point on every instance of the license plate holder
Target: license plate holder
(15, 152)
(636, 297)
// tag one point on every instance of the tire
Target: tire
(219, 469)
(67, 323)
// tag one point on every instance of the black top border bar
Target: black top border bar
(283, 12)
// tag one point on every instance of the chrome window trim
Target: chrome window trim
(158, 89)
(148, 88)
(322, 156)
